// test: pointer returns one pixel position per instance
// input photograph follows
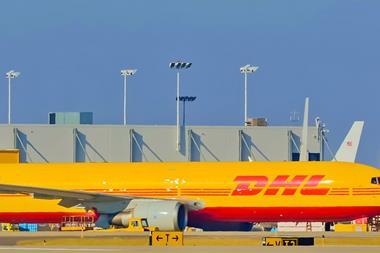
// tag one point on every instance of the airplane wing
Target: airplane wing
(71, 198)
(47, 193)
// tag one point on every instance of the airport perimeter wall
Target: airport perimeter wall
(137, 143)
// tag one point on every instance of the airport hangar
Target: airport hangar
(157, 143)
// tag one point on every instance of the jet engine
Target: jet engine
(165, 214)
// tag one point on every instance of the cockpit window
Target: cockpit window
(375, 180)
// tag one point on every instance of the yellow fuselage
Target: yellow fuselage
(231, 191)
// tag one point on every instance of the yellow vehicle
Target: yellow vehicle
(139, 225)
(8, 227)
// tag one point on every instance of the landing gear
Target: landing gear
(328, 226)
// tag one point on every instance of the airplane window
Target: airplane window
(375, 180)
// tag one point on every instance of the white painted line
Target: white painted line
(56, 249)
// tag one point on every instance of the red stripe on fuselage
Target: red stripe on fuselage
(225, 214)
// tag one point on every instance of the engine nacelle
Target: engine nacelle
(165, 214)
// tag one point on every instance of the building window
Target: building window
(312, 156)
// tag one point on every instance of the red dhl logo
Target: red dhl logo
(253, 185)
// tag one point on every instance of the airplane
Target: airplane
(173, 195)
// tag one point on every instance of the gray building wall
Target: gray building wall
(136, 143)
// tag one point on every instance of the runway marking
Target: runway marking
(56, 249)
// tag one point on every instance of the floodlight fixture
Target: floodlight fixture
(180, 65)
(186, 98)
(12, 74)
(248, 69)
(128, 72)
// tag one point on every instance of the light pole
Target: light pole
(178, 65)
(185, 99)
(247, 69)
(10, 75)
(125, 73)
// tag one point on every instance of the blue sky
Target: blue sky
(70, 54)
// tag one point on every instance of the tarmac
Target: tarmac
(188, 249)
(91, 241)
